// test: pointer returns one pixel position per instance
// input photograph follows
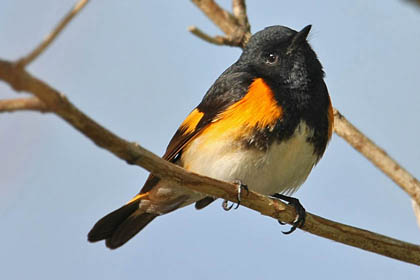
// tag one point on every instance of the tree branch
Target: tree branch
(222, 18)
(416, 209)
(377, 156)
(132, 153)
(239, 11)
(19, 79)
(217, 40)
(414, 2)
(19, 104)
(236, 27)
(54, 33)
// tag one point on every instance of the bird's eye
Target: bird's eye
(271, 58)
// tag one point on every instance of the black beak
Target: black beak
(299, 38)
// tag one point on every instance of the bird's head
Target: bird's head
(283, 56)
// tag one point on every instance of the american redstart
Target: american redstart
(264, 124)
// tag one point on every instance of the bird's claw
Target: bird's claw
(301, 212)
(240, 187)
(225, 205)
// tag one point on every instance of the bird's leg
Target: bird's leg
(240, 186)
(301, 212)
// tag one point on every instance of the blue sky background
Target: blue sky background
(133, 67)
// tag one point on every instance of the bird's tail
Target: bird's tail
(121, 225)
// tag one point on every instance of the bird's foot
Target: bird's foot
(241, 187)
(301, 212)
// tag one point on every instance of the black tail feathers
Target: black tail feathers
(120, 225)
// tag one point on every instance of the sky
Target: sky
(134, 68)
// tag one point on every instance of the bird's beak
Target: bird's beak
(299, 38)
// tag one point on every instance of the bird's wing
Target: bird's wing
(227, 90)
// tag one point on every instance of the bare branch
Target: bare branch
(416, 209)
(217, 40)
(239, 11)
(132, 153)
(23, 104)
(414, 2)
(377, 156)
(237, 33)
(17, 77)
(222, 18)
(50, 38)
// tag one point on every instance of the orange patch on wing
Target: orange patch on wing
(138, 197)
(257, 109)
(330, 120)
(190, 123)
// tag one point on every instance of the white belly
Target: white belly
(280, 169)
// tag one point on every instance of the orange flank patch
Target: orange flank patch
(190, 123)
(330, 120)
(138, 197)
(257, 109)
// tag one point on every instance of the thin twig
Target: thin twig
(415, 2)
(217, 40)
(222, 18)
(239, 11)
(50, 37)
(237, 34)
(132, 153)
(377, 156)
(20, 104)
(416, 209)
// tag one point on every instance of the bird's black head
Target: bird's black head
(282, 56)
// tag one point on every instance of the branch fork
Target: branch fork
(235, 26)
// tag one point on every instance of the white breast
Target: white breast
(280, 169)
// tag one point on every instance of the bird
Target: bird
(263, 125)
